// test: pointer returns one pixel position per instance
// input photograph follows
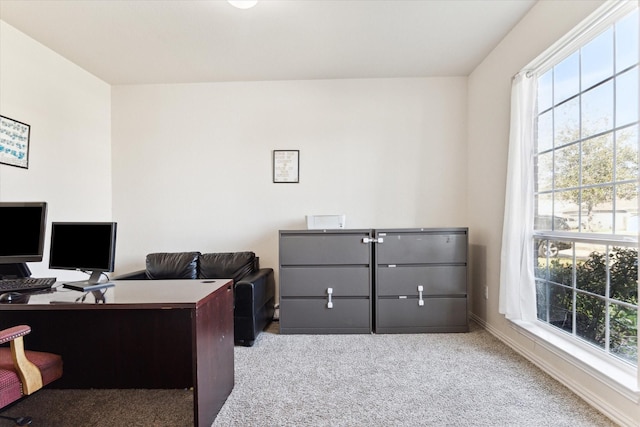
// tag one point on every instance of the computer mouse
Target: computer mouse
(13, 297)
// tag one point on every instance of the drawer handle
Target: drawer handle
(420, 300)
(329, 294)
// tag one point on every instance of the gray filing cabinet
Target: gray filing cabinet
(325, 281)
(421, 280)
(383, 281)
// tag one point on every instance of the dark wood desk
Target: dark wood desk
(146, 334)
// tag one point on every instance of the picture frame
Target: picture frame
(286, 166)
(14, 142)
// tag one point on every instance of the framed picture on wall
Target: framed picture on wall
(286, 166)
(14, 142)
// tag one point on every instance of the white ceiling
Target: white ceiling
(184, 41)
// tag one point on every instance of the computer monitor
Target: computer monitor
(22, 226)
(83, 246)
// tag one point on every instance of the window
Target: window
(586, 191)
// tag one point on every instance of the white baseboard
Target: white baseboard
(587, 395)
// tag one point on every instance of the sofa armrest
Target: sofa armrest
(253, 291)
(134, 275)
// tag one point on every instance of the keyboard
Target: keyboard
(26, 284)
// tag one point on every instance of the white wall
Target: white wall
(192, 166)
(68, 110)
(489, 104)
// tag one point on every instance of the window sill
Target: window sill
(619, 376)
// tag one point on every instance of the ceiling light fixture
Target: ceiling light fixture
(243, 4)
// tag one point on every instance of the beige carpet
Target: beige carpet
(468, 379)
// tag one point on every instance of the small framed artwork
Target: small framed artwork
(14, 142)
(286, 166)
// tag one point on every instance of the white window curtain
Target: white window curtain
(517, 283)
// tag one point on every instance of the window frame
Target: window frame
(568, 46)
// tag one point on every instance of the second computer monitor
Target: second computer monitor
(84, 246)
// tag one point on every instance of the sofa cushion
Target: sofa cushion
(178, 265)
(227, 265)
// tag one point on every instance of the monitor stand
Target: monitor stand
(17, 270)
(89, 285)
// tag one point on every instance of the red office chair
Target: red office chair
(23, 372)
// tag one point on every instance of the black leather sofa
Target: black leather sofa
(254, 287)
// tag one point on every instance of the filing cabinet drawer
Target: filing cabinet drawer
(436, 280)
(404, 315)
(311, 315)
(314, 281)
(421, 248)
(331, 248)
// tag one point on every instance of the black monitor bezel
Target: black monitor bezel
(112, 250)
(36, 257)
